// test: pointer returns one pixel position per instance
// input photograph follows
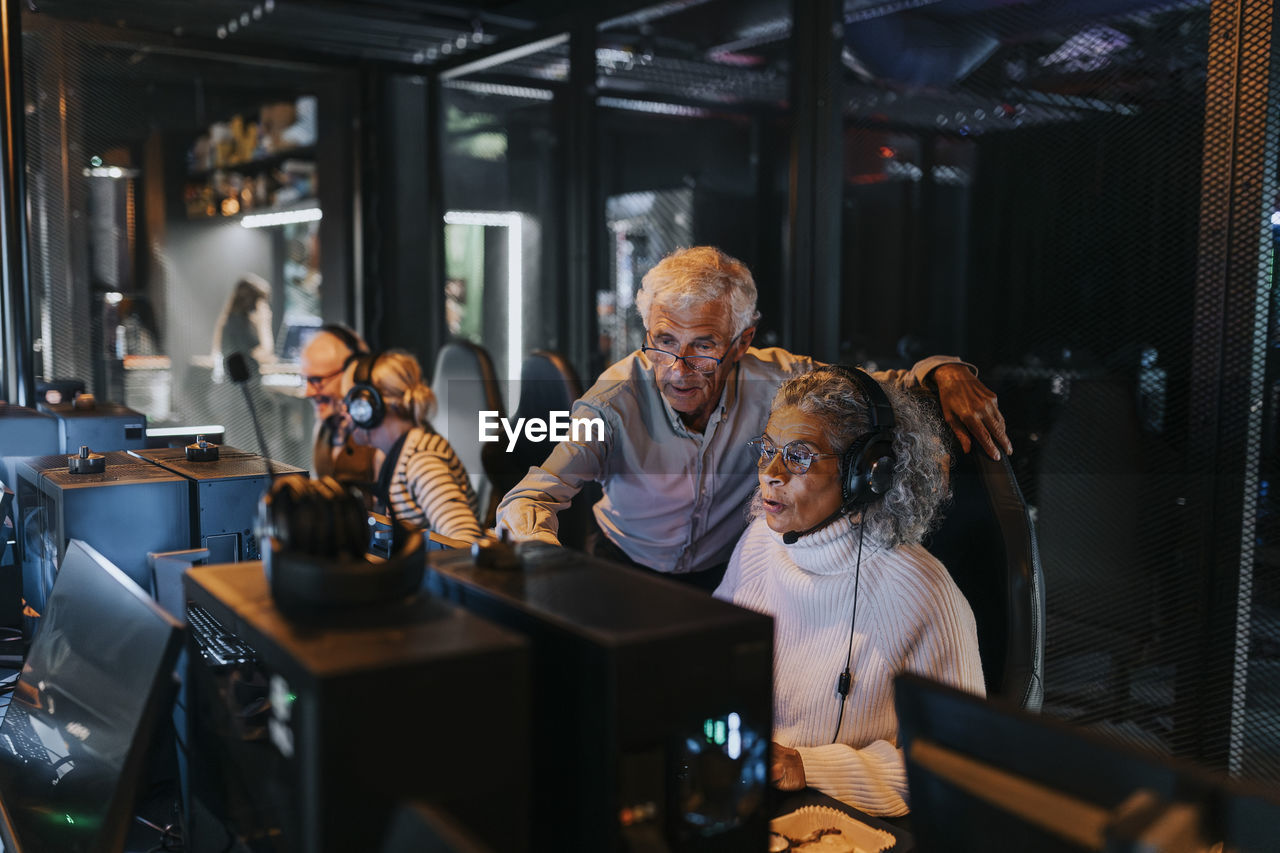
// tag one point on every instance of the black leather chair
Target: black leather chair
(465, 384)
(548, 383)
(988, 544)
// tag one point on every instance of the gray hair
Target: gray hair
(703, 274)
(911, 506)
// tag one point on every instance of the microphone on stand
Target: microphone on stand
(237, 367)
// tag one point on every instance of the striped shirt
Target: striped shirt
(911, 618)
(430, 489)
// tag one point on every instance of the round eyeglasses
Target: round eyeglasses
(796, 456)
(316, 381)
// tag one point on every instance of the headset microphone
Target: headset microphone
(793, 536)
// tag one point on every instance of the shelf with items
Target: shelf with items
(229, 192)
(259, 165)
(265, 163)
(282, 128)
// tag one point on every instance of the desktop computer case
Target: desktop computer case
(24, 432)
(107, 426)
(128, 510)
(625, 666)
(311, 748)
(224, 497)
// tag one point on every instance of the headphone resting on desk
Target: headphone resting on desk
(315, 536)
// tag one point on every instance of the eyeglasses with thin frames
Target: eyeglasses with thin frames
(696, 363)
(317, 381)
(796, 455)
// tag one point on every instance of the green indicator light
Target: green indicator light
(293, 697)
(95, 162)
(720, 733)
(709, 727)
(69, 820)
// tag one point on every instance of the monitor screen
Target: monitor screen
(983, 774)
(87, 702)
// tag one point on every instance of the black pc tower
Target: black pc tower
(23, 432)
(224, 494)
(133, 507)
(305, 739)
(101, 426)
(651, 701)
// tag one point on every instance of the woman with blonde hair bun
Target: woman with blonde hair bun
(422, 482)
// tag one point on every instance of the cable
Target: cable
(844, 681)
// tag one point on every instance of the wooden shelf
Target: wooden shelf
(263, 164)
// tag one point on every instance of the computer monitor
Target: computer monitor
(87, 705)
(983, 774)
(181, 436)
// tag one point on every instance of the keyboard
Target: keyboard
(43, 765)
(218, 646)
(21, 739)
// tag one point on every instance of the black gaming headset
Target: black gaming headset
(349, 339)
(364, 401)
(866, 468)
(315, 536)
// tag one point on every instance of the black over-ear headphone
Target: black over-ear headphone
(364, 401)
(315, 536)
(349, 340)
(866, 468)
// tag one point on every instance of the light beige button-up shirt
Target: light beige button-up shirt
(674, 500)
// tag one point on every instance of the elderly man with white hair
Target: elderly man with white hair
(674, 463)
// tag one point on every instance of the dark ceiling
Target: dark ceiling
(940, 63)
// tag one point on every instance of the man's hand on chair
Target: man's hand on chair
(969, 408)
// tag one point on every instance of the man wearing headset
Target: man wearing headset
(674, 462)
(334, 454)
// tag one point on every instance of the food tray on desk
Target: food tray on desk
(820, 829)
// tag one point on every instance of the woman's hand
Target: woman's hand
(970, 409)
(786, 770)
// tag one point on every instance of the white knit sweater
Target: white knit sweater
(911, 618)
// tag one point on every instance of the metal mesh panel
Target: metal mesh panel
(1064, 200)
(1237, 256)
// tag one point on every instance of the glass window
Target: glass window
(502, 159)
(177, 208)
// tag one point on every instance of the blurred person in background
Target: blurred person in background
(421, 480)
(334, 454)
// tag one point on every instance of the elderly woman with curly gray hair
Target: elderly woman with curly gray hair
(852, 475)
